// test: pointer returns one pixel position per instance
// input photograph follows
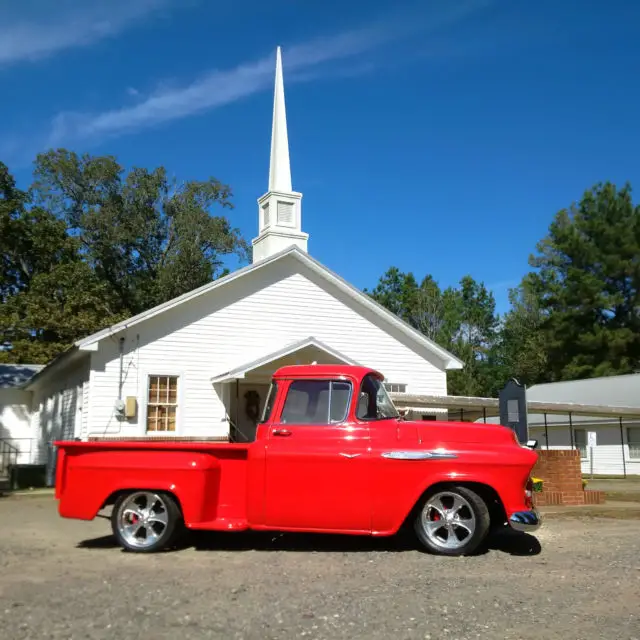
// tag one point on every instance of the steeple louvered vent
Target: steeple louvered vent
(285, 213)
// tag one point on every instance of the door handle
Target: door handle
(281, 432)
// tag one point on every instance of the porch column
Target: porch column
(224, 391)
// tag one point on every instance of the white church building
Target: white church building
(191, 367)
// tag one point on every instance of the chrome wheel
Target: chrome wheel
(142, 519)
(448, 520)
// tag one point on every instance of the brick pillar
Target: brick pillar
(562, 475)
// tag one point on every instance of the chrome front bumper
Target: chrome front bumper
(528, 521)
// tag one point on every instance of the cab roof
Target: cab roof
(325, 371)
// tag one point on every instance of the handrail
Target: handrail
(8, 456)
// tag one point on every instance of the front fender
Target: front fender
(391, 512)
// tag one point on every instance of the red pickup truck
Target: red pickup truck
(331, 455)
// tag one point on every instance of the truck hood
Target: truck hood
(434, 433)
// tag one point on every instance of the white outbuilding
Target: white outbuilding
(608, 445)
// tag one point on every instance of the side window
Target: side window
(316, 402)
(366, 407)
(373, 401)
(340, 395)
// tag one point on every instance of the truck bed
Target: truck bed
(208, 478)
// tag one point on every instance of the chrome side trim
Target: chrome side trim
(349, 455)
(527, 521)
(419, 455)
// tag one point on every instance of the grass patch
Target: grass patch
(596, 476)
(623, 496)
(589, 513)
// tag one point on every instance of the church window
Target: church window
(162, 403)
(395, 387)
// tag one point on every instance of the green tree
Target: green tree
(473, 339)
(427, 310)
(90, 244)
(148, 237)
(41, 292)
(587, 280)
(462, 320)
(60, 306)
(394, 292)
(521, 350)
(31, 240)
(423, 306)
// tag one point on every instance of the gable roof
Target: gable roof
(298, 345)
(450, 361)
(13, 376)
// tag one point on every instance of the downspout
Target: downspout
(237, 411)
(571, 431)
(546, 431)
(624, 462)
(120, 376)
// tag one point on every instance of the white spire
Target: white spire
(279, 167)
(280, 208)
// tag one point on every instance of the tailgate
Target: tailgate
(61, 468)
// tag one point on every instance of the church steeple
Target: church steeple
(280, 208)
(279, 167)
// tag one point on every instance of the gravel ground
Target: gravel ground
(66, 579)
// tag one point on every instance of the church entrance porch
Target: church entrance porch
(244, 389)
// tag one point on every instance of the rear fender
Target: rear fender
(92, 478)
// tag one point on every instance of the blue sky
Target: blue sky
(439, 137)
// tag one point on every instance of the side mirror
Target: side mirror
(532, 444)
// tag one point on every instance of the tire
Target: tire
(137, 513)
(469, 521)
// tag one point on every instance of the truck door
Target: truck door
(317, 463)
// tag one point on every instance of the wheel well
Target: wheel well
(111, 499)
(490, 496)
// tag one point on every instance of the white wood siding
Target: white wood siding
(57, 408)
(253, 316)
(15, 421)
(607, 456)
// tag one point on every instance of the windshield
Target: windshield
(268, 405)
(374, 402)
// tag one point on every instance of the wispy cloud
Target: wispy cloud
(218, 88)
(344, 54)
(214, 89)
(64, 25)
